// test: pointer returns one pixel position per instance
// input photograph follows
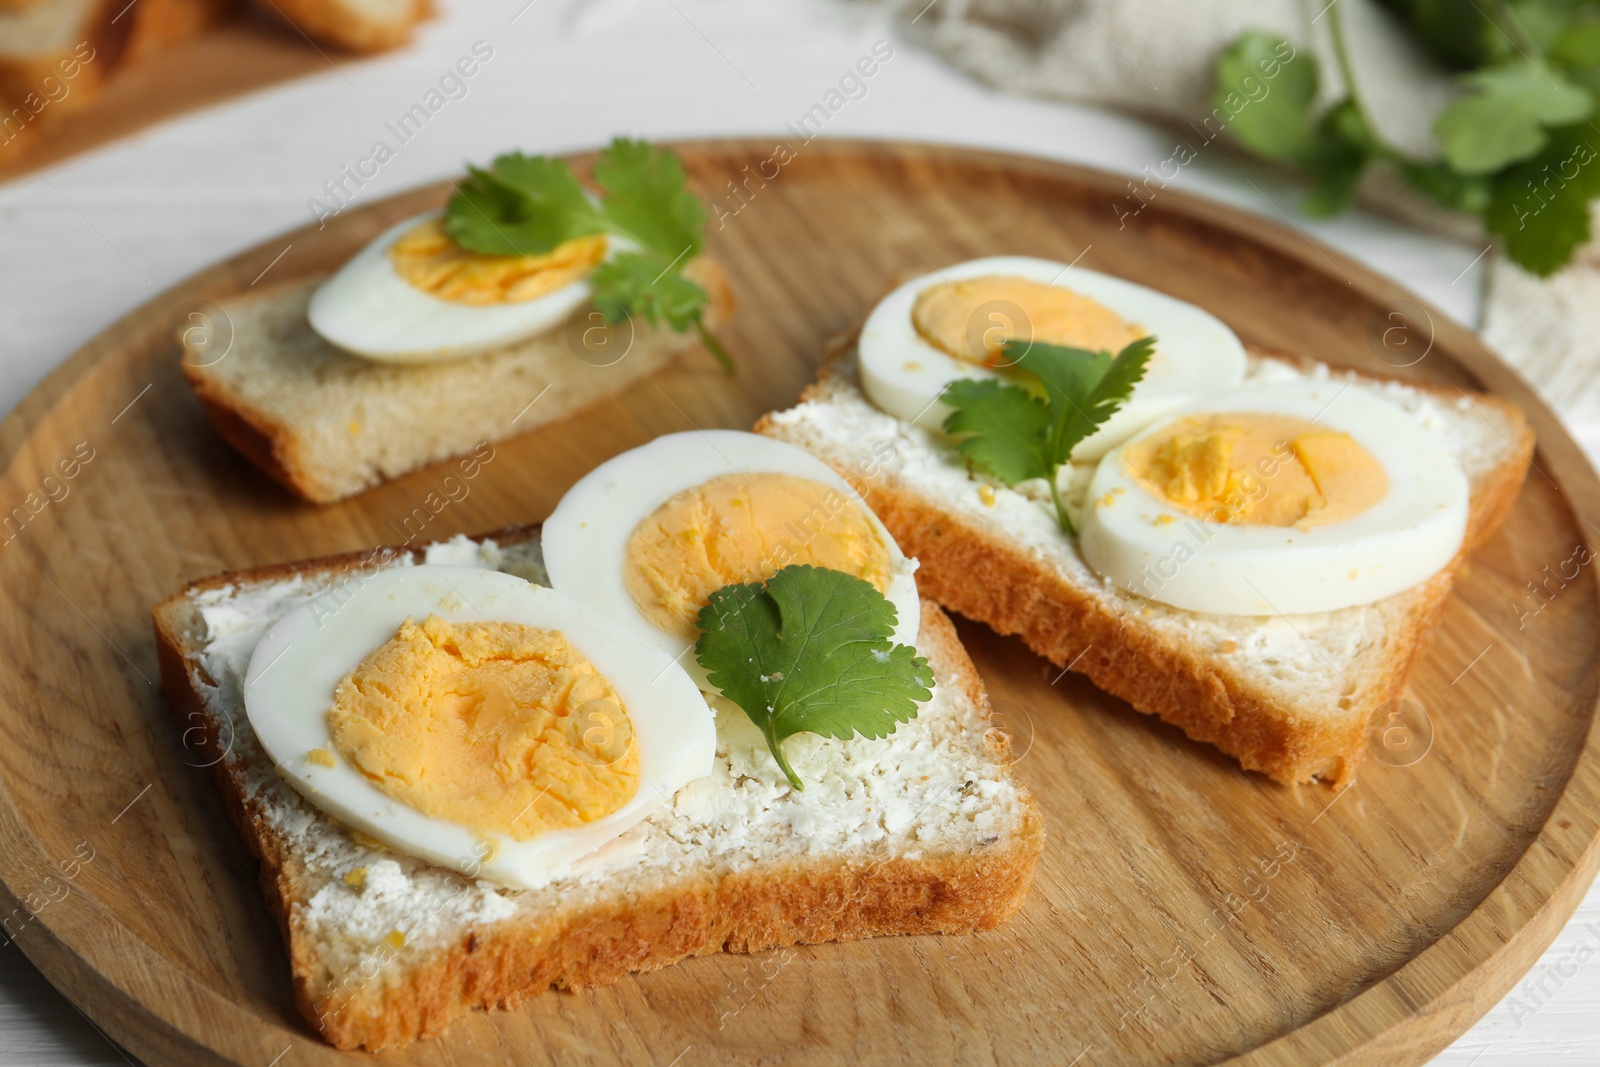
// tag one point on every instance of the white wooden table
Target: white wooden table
(82, 243)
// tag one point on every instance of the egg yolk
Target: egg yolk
(744, 528)
(1259, 469)
(498, 727)
(973, 318)
(427, 258)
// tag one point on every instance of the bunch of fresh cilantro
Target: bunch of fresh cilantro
(809, 651)
(1017, 433)
(1519, 148)
(527, 205)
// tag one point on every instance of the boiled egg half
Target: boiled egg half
(648, 536)
(1280, 498)
(473, 719)
(414, 294)
(952, 324)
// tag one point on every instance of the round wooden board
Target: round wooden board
(1184, 911)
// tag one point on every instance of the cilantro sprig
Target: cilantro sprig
(1517, 148)
(810, 651)
(527, 205)
(1015, 433)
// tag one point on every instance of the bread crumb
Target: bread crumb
(321, 757)
(356, 877)
(986, 494)
(366, 840)
(1230, 645)
(1164, 520)
(396, 939)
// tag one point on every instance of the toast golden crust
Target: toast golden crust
(503, 964)
(974, 573)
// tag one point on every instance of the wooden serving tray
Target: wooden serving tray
(1185, 911)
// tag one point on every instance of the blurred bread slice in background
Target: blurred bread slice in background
(158, 23)
(354, 25)
(56, 56)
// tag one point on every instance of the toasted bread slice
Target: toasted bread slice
(328, 424)
(55, 54)
(354, 25)
(923, 832)
(1289, 697)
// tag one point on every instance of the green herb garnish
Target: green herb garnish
(1506, 116)
(1517, 148)
(810, 652)
(1015, 434)
(527, 205)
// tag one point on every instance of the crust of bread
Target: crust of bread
(339, 23)
(972, 573)
(503, 964)
(166, 22)
(275, 446)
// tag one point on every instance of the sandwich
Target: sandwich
(703, 707)
(1251, 547)
(525, 300)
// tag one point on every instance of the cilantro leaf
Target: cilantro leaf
(647, 199)
(1464, 192)
(1002, 428)
(1272, 104)
(643, 283)
(1085, 392)
(1341, 150)
(811, 652)
(1540, 207)
(1505, 120)
(1276, 125)
(522, 205)
(527, 205)
(1008, 432)
(1578, 45)
(649, 285)
(1459, 32)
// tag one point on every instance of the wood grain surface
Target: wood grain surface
(1185, 911)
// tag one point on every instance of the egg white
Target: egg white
(1239, 569)
(367, 309)
(1195, 352)
(289, 687)
(585, 539)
